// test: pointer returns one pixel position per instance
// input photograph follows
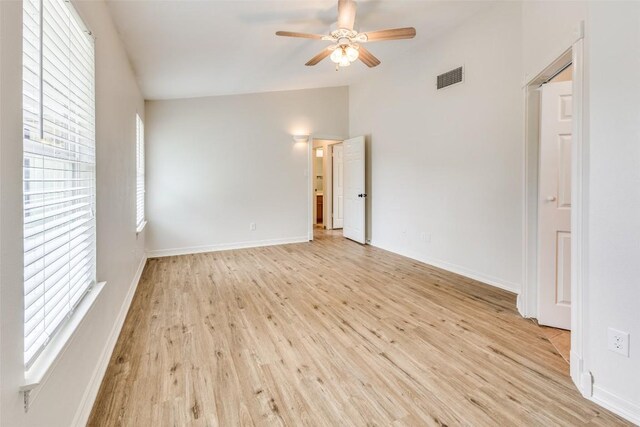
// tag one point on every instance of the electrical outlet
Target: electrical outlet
(252, 226)
(425, 237)
(618, 341)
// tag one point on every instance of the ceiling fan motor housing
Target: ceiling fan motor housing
(346, 37)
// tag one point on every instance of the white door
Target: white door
(554, 206)
(354, 189)
(338, 187)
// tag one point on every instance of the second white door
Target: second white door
(354, 189)
(554, 206)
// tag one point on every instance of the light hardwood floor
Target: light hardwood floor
(560, 339)
(330, 333)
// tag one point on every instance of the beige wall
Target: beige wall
(445, 166)
(218, 164)
(613, 285)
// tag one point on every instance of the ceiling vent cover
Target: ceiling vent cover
(450, 78)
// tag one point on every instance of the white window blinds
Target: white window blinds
(59, 168)
(139, 173)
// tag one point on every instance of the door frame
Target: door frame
(310, 178)
(527, 302)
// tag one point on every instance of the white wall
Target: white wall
(69, 390)
(448, 163)
(549, 29)
(613, 288)
(217, 164)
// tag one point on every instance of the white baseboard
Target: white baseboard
(462, 271)
(91, 392)
(224, 247)
(627, 410)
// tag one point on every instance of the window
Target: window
(139, 174)
(58, 168)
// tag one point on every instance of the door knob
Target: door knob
(550, 199)
(362, 195)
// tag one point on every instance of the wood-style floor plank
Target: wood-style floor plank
(330, 333)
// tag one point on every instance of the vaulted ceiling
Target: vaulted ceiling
(185, 48)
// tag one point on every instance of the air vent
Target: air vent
(450, 78)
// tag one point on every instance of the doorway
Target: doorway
(318, 187)
(554, 209)
(336, 183)
(323, 167)
(553, 214)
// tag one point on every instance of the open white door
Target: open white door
(354, 189)
(554, 206)
(338, 186)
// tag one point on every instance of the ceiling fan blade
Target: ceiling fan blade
(319, 57)
(301, 35)
(393, 34)
(368, 58)
(346, 14)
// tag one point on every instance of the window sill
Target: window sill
(141, 227)
(50, 355)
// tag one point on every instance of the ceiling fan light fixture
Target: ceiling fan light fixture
(344, 55)
(344, 61)
(352, 53)
(336, 55)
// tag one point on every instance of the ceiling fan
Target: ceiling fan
(346, 42)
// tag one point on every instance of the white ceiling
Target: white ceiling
(186, 48)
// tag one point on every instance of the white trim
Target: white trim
(51, 354)
(225, 247)
(579, 214)
(622, 407)
(525, 303)
(86, 403)
(583, 379)
(457, 269)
